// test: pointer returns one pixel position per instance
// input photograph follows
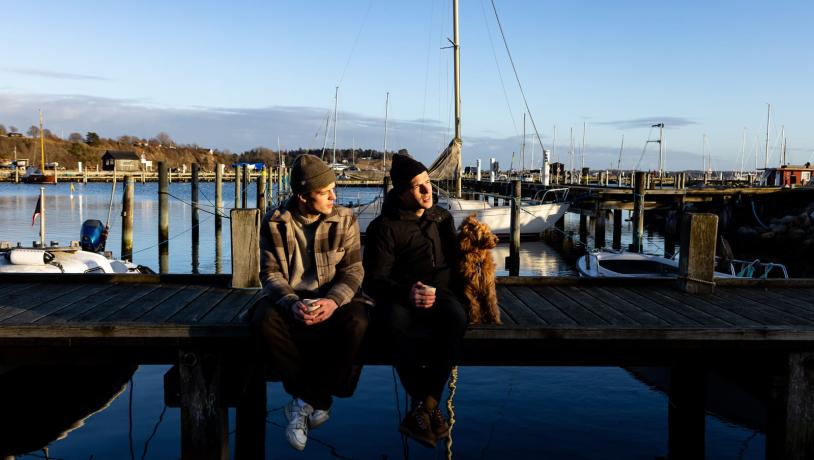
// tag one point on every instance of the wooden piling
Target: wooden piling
(218, 218)
(513, 261)
(670, 234)
(790, 427)
(640, 182)
(583, 229)
(238, 187)
(685, 414)
(599, 228)
(244, 194)
(163, 219)
(250, 418)
(617, 229)
(695, 267)
(127, 218)
(261, 192)
(245, 248)
(195, 237)
(204, 417)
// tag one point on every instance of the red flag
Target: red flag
(37, 211)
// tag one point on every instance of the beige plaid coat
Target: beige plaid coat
(337, 254)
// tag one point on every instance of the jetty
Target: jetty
(199, 324)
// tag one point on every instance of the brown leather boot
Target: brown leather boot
(417, 425)
(440, 427)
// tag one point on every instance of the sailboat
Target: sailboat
(33, 175)
(535, 215)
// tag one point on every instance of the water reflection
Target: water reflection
(43, 404)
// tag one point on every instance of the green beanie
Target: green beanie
(309, 173)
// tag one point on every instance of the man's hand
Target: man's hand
(321, 310)
(421, 297)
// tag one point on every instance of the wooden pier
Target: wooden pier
(199, 324)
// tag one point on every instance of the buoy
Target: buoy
(22, 256)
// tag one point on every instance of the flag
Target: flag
(37, 211)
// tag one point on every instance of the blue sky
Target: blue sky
(240, 75)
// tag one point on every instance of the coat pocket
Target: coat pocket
(334, 257)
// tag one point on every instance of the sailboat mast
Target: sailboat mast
(523, 148)
(582, 152)
(336, 103)
(42, 146)
(661, 150)
(384, 153)
(743, 151)
(768, 120)
(783, 141)
(457, 72)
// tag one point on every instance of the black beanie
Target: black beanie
(403, 170)
(309, 173)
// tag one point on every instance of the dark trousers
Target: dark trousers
(426, 342)
(314, 361)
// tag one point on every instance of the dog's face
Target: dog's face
(476, 235)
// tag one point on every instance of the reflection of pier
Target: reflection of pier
(199, 324)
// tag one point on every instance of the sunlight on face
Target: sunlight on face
(320, 201)
(420, 192)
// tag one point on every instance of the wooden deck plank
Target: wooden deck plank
(644, 302)
(542, 307)
(133, 310)
(571, 308)
(699, 303)
(17, 301)
(629, 309)
(756, 311)
(200, 306)
(520, 312)
(229, 309)
(782, 311)
(37, 312)
(596, 305)
(773, 296)
(675, 303)
(171, 305)
(101, 311)
(77, 309)
(505, 314)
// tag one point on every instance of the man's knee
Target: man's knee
(268, 320)
(356, 319)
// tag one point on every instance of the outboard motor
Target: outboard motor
(93, 235)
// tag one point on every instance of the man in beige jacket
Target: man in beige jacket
(311, 319)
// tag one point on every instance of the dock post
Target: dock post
(244, 195)
(695, 266)
(204, 417)
(513, 261)
(583, 229)
(196, 233)
(599, 227)
(790, 425)
(639, 185)
(261, 192)
(127, 218)
(163, 219)
(250, 417)
(685, 414)
(245, 248)
(670, 234)
(238, 187)
(218, 218)
(617, 229)
(559, 225)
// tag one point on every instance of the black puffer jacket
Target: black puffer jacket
(401, 248)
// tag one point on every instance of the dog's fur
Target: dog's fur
(477, 268)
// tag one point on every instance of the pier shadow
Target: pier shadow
(43, 404)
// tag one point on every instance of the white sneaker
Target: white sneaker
(297, 413)
(318, 417)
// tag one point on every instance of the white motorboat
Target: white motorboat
(62, 260)
(623, 264)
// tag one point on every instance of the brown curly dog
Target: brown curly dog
(475, 240)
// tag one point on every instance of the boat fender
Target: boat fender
(22, 256)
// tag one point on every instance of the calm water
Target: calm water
(540, 412)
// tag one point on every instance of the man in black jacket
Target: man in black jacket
(410, 262)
